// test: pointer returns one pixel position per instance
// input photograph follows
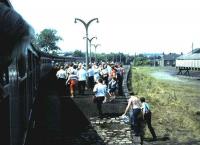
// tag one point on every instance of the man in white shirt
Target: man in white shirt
(82, 76)
(61, 76)
(100, 91)
(90, 73)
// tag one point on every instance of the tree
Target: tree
(47, 40)
(78, 53)
(68, 54)
(141, 60)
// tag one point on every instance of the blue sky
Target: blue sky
(128, 26)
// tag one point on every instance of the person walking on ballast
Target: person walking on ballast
(147, 117)
(135, 104)
(100, 92)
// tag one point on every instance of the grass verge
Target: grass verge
(172, 103)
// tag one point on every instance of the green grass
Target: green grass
(172, 104)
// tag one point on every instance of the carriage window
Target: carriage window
(4, 78)
(29, 60)
(22, 66)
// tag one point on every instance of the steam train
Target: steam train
(18, 89)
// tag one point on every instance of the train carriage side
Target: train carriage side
(20, 82)
(45, 63)
(190, 61)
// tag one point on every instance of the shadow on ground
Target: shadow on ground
(58, 121)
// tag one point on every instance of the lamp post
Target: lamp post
(90, 41)
(95, 46)
(86, 28)
(120, 57)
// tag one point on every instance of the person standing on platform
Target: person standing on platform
(90, 73)
(82, 77)
(72, 80)
(104, 74)
(120, 75)
(100, 93)
(112, 88)
(96, 73)
(61, 76)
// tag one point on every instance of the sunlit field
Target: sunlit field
(174, 102)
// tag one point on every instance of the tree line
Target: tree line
(47, 41)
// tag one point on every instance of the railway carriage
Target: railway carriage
(190, 61)
(19, 81)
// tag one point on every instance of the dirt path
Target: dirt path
(170, 73)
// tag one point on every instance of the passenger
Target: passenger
(67, 86)
(135, 104)
(100, 93)
(147, 117)
(70, 68)
(104, 74)
(72, 80)
(120, 75)
(109, 71)
(61, 76)
(112, 87)
(82, 76)
(113, 72)
(96, 73)
(90, 73)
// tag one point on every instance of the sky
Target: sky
(125, 26)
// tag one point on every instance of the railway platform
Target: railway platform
(61, 120)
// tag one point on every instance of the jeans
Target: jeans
(99, 101)
(135, 126)
(147, 118)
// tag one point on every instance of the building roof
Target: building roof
(193, 55)
(170, 56)
(196, 50)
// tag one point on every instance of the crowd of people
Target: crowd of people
(103, 79)
(72, 76)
